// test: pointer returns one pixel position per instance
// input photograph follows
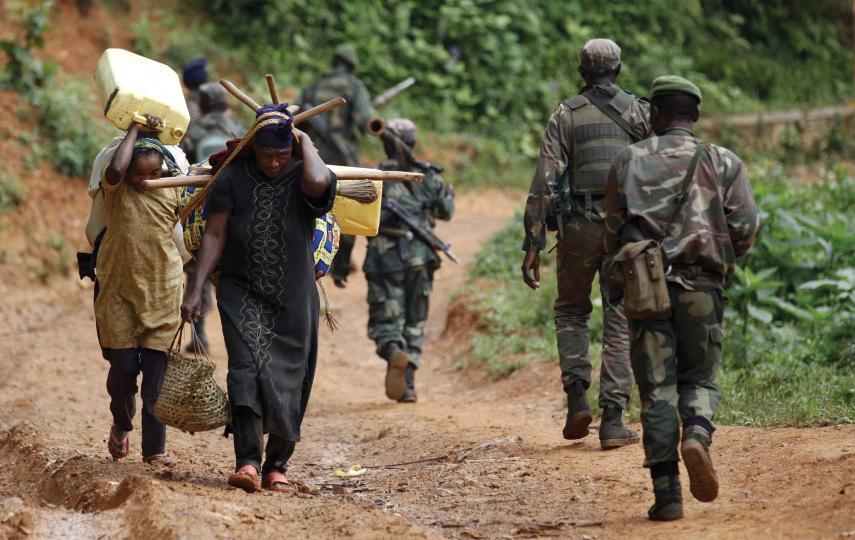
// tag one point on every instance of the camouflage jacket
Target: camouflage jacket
(556, 151)
(717, 221)
(213, 123)
(345, 122)
(428, 200)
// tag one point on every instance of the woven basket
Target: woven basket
(190, 399)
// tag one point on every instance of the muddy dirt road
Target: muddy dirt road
(472, 459)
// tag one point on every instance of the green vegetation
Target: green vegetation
(63, 105)
(499, 67)
(11, 192)
(790, 346)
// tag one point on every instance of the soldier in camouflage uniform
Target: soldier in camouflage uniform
(675, 356)
(583, 135)
(345, 124)
(208, 134)
(399, 267)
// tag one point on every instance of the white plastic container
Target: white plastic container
(131, 85)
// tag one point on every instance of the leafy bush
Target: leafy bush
(11, 192)
(499, 66)
(23, 71)
(66, 123)
(65, 108)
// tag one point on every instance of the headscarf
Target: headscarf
(145, 143)
(278, 135)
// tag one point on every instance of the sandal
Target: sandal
(164, 460)
(119, 443)
(277, 481)
(246, 478)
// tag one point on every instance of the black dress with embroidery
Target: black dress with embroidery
(267, 297)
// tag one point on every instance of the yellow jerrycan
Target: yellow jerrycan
(131, 85)
(356, 218)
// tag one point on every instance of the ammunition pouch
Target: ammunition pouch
(639, 268)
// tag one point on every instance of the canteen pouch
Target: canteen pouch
(639, 268)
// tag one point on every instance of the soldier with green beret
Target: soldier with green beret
(338, 144)
(582, 136)
(695, 200)
(399, 267)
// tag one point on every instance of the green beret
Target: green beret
(672, 84)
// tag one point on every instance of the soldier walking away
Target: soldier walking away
(583, 135)
(695, 200)
(337, 132)
(399, 264)
(194, 76)
(205, 136)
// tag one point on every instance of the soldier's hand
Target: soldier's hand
(531, 269)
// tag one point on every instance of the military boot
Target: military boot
(396, 379)
(669, 500)
(613, 434)
(703, 481)
(410, 395)
(579, 415)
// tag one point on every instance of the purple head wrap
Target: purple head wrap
(276, 135)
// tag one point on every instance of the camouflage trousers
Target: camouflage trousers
(340, 267)
(675, 358)
(398, 309)
(580, 256)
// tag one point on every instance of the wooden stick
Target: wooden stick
(271, 85)
(322, 108)
(243, 98)
(342, 172)
(196, 180)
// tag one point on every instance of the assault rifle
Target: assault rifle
(383, 99)
(419, 229)
(320, 125)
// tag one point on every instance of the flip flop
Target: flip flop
(118, 445)
(245, 478)
(277, 481)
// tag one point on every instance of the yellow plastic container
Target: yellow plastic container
(357, 218)
(131, 85)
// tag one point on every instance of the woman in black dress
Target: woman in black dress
(261, 214)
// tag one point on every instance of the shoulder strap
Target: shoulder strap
(607, 105)
(684, 187)
(576, 101)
